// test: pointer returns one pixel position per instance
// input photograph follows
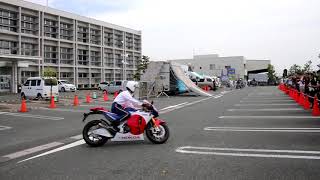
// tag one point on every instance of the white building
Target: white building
(214, 65)
(82, 50)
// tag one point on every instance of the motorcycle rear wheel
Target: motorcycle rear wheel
(93, 139)
(158, 138)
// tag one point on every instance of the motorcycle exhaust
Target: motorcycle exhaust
(102, 132)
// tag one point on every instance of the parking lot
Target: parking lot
(252, 133)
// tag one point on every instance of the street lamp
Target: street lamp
(124, 62)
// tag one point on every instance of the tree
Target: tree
(142, 65)
(49, 72)
(271, 73)
(295, 69)
(307, 67)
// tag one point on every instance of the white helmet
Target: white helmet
(131, 85)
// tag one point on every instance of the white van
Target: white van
(37, 87)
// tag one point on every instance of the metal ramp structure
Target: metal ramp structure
(161, 77)
(179, 73)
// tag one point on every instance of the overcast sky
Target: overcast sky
(284, 31)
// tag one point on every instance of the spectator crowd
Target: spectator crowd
(307, 83)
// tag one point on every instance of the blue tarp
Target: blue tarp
(182, 88)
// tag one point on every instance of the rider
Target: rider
(125, 102)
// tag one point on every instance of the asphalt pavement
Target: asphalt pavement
(252, 133)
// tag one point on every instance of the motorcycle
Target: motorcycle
(98, 132)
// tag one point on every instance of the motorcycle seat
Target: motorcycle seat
(113, 116)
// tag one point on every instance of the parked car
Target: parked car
(114, 86)
(64, 86)
(201, 81)
(38, 87)
(102, 85)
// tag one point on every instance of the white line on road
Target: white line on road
(273, 104)
(259, 98)
(269, 117)
(268, 109)
(173, 106)
(74, 144)
(291, 154)
(33, 150)
(251, 129)
(4, 128)
(63, 110)
(33, 116)
(266, 100)
(77, 137)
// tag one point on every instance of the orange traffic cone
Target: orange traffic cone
(306, 105)
(76, 101)
(301, 99)
(88, 100)
(52, 104)
(115, 94)
(23, 106)
(315, 110)
(297, 97)
(105, 96)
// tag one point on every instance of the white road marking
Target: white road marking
(32, 150)
(269, 117)
(265, 98)
(268, 109)
(219, 96)
(273, 104)
(173, 106)
(252, 129)
(33, 116)
(187, 104)
(77, 137)
(4, 128)
(290, 154)
(271, 101)
(63, 110)
(74, 144)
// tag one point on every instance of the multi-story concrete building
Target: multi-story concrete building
(82, 50)
(214, 65)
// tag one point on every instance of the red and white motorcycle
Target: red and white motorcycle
(98, 132)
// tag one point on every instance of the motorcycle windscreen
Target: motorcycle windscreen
(136, 124)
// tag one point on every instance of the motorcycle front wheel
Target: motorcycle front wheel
(159, 136)
(90, 138)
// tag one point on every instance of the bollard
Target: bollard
(94, 95)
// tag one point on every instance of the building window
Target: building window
(29, 24)
(29, 49)
(50, 28)
(95, 36)
(8, 47)
(66, 31)
(50, 54)
(95, 58)
(8, 20)
(66, 55)
(83, 34)
(82, 75)
(83, 57)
